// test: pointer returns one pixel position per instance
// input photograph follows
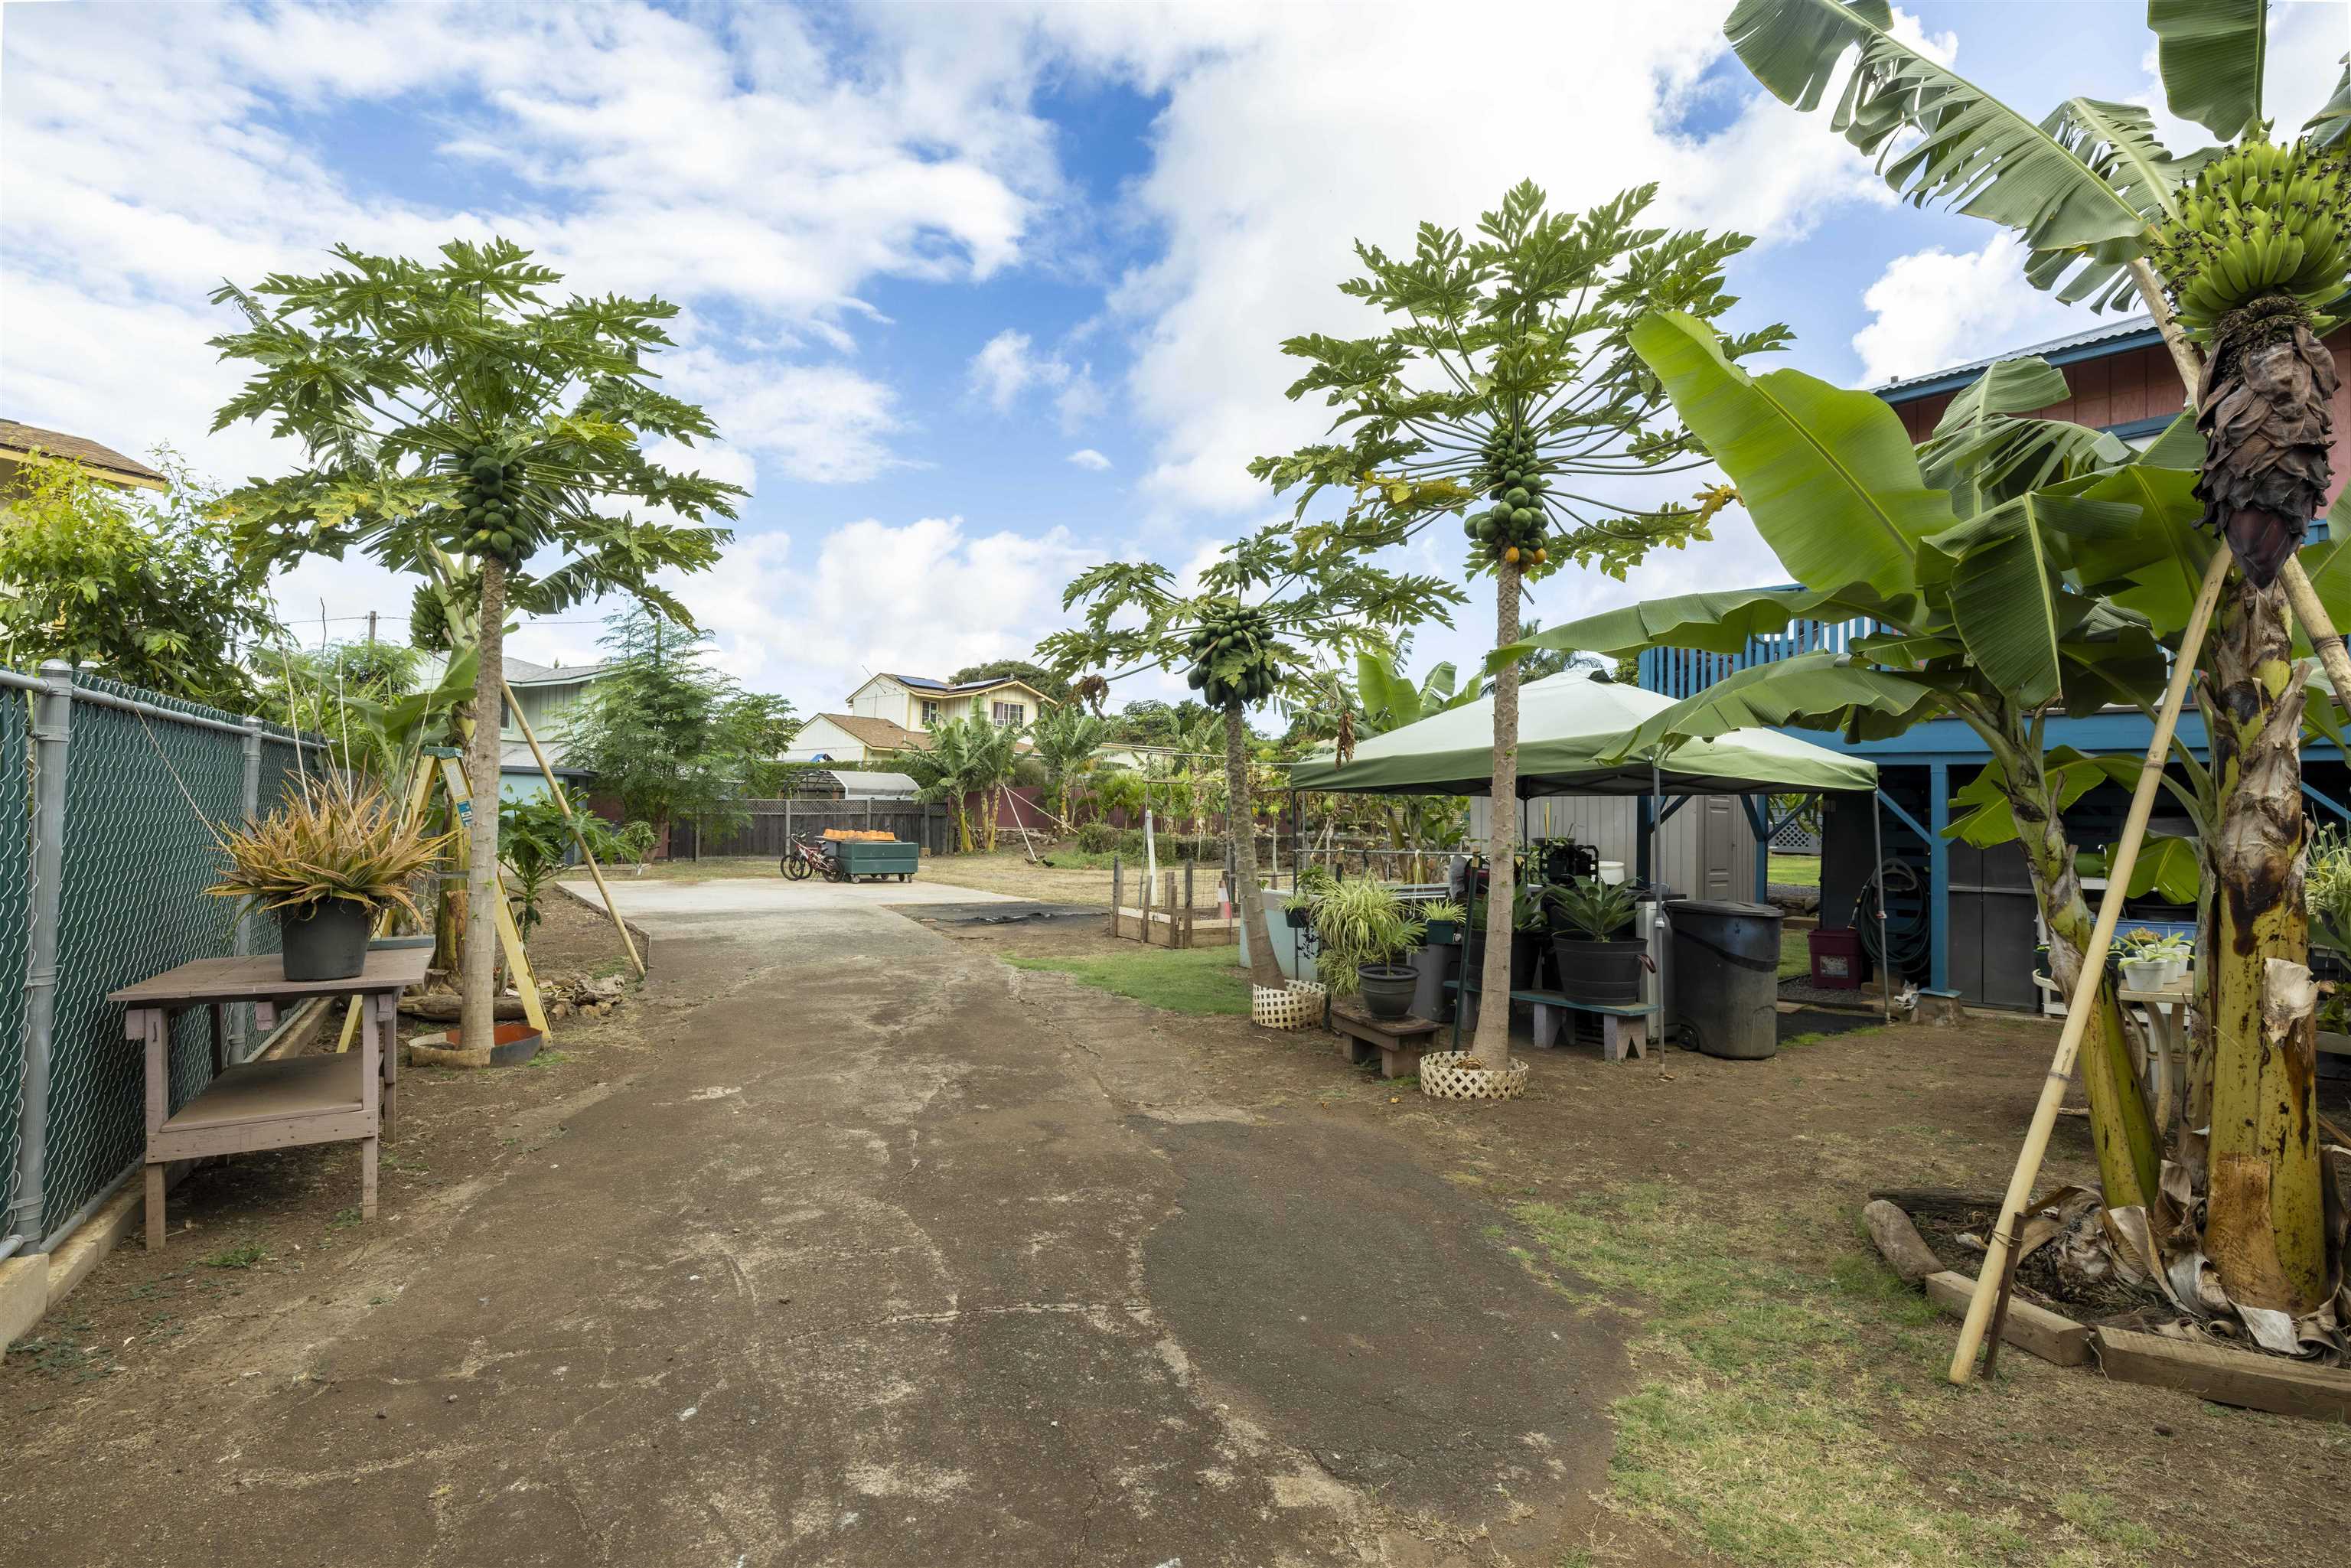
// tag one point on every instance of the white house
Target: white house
(893, 714)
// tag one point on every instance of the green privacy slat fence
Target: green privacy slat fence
(16, 924)
(142, 788)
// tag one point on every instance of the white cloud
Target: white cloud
(813, 626)
(1290, 131)
(1931, 308)
(1087, 458)
(1008, 365)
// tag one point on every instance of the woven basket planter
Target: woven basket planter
(1455, 1075)
(1294, 1004)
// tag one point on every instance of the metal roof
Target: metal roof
(2114, 337)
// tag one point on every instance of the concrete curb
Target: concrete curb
(32, 1283)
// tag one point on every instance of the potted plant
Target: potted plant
(1312, 884)
(1599, 956)
(1442, 920)
(1364, 929)
(2151, 963)
(326, 861)
(1527, 931)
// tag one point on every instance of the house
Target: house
(547, 694)
(21, 444)
(891, 713)
(1972, 922)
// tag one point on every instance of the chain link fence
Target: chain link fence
(15, 921)
(144, 777)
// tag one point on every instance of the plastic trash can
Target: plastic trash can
(1727, 975)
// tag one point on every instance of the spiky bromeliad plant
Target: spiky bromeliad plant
(2107, 212)
(1242, 640)
(1503, 392)
(448, 413)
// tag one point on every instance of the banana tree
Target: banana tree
(1972, 612)
(2235, 248)
(1243, 638)
(1504, 395)
(1066, 737)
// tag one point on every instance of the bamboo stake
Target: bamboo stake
(2094, 964)
(555, 788)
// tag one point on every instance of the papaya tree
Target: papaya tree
(1502, 393)
(1246, 637)
(2234, 250)
(448, 413)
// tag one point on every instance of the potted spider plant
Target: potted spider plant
(1598, 955)
(1365, 929)
(324, 862)
(1442, 922)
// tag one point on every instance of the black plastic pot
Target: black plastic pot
(1442, 934)
(1526, 960)
(1296, 918)
(1608, 973)
(1387, 988)
(324, 941)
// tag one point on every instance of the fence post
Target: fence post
(240, 1019)
(52, 728)
(1117, 892)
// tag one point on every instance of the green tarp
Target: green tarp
(1567, 725)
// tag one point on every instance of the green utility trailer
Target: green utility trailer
(856, 858)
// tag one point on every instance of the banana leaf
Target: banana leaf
(2049, 181)
(2210, 55)
(1828, 475)
(1811, 691)
(2168, 866)
(1719, 623)
(2006, 575)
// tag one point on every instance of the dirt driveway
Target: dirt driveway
(888, 1253)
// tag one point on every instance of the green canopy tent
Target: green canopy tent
(1572, 729)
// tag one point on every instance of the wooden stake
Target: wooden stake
(2007, 1294)
(556, 788)
(2094, 963)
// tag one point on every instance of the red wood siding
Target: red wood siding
(2140, 384)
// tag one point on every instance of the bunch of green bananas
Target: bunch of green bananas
(493, 517)
(1235, 658)
(2260, 219)
(1511, 473)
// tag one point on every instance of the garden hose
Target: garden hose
(1906, 936)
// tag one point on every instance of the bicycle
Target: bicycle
(804, 859)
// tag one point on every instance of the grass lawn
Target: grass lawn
(1796, 871)
(1183, 981)
(1795, 953)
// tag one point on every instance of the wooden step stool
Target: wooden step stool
(1399, 1042)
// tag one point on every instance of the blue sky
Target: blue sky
(980, 294)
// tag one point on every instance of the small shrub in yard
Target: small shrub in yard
(1098, 838)
(243, 1255)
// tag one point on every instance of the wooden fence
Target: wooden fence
(773, 823)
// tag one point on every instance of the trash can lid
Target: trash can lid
(1727, 908)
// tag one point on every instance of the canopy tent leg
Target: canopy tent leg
(1760, 819)
(1877, 848)
(1938, 873)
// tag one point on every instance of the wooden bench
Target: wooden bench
(1623, 1030)
(343, 1097)
(1397, 1042)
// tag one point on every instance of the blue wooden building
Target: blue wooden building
(1965, 919)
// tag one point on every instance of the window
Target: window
(505, 714)
(930, 714)
(1010, 714)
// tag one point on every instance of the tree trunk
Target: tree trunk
(1249, 895)
(2264, 1225)
(479, 982)
(2121, 1130)
(1490, 1047)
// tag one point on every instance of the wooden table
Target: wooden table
(276, 1104)
(1398, 1041)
